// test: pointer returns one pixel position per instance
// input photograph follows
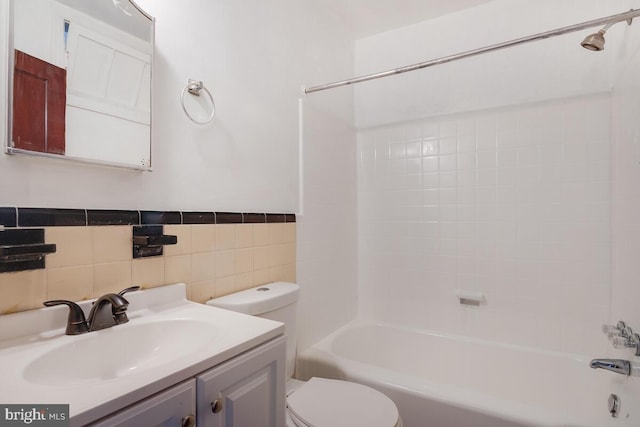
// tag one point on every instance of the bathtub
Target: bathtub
(440, 380)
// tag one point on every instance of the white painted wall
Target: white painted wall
(327, 229)
(254, 56)
(543, 70)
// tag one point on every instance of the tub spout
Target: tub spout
(618, 366)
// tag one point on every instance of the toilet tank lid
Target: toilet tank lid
(259, 300)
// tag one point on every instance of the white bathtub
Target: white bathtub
(441, 380)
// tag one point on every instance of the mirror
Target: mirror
(81, 81)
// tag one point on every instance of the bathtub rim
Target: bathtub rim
(447, 394)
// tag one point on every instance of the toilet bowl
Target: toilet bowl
(319, 402)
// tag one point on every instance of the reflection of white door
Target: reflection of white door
(107, 76)
(108, 88)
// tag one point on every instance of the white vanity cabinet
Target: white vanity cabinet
(247, 391)
(175, 406)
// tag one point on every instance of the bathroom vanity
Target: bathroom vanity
(174, 363)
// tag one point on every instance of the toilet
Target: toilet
(319, 402)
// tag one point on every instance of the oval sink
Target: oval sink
(119, 351)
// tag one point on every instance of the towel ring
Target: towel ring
(195, 87)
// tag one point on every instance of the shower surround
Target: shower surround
(512, 203)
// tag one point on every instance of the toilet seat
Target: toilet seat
(323, 402)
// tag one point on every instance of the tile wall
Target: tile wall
(212, 259)
(513, 203)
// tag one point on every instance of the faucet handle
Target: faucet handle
(130, 289)
(76, 322)
(619, 330)
(632, 341)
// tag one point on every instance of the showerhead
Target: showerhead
(595, 41)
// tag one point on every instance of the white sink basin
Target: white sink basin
(166, 341)
(119, 351)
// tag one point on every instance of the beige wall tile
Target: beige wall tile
(278, 274)
(290, 253)
(290, 232)
(244, 281)
(183, 233)
(244, 235)
(148, 272)
(225, 286)
(22, 290)
(177, 269)
(203, 238)
(202, 291)
(70, 283)
(112, 243)
(277, 255)
(203, 267)
(244, 260)
(74, 246)
(260, 277)
(225, 236)
(111, 277)
(261, 258)
(276, 233)
(212, 259)
(225, 263)
(260, 234)
(290, 273)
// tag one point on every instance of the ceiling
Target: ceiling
(368, 17)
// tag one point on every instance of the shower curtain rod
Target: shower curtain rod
(626, 16)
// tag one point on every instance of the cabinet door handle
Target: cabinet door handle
(216, 406)
(188, 421)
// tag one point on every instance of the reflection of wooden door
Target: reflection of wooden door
(39, 101)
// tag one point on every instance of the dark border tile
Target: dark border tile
(160, 217)
(198, 218)
(47, 217)
(271, 217)
(290, 217)
(9, 217)
(254, 218)
(22, 237)
(228, 218)
(110, 217)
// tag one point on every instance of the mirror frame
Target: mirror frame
(9, 144)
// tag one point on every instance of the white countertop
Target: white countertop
(28, 338)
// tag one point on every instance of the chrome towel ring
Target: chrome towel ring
(195, 87)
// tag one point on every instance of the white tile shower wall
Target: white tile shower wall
(625, 212)
(513, 203)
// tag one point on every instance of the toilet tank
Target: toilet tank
(275, 301)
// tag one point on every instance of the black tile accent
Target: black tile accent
(198, 218)
(21, 237)
(148, 240)
(110, 217)
(46, 217)
(23, 249)
(160, 217)
(275, 217)
(228, 218)
(9, 217)
(254, 218)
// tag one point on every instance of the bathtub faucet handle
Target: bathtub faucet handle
(619, 330)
